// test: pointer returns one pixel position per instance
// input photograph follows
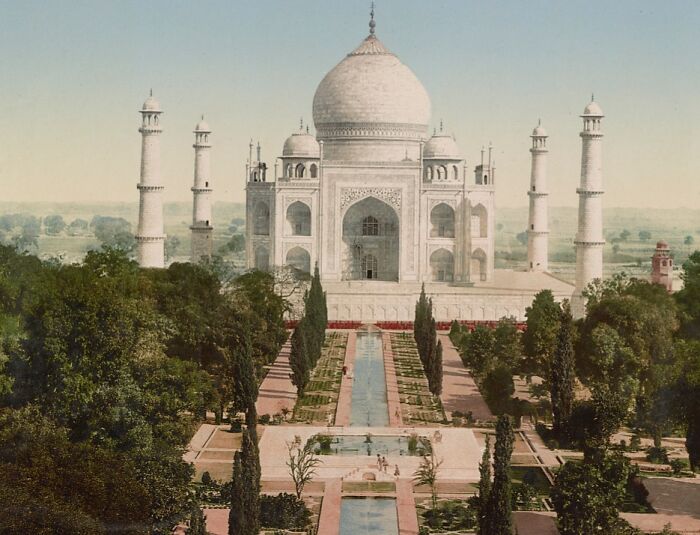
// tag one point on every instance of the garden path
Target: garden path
(277, 391)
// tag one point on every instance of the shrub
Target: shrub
(324, 442)
(657, 455)
(284, 511)
(413, 443)
(677, 466)
(264, 419)
(206, 479)
(635, 443)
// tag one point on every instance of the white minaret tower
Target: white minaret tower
(150, 236)
(201, 209)
(589, 238)
(538, 224)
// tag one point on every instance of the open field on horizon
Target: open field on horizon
(633, 254)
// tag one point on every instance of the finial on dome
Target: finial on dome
(539, 122)
(301, 124)
(151, 92)
(592, 97)
(372, 24)
(441, 126)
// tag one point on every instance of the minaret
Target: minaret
(589, 238)
(538, 225)
(150, 236)
(201, 191)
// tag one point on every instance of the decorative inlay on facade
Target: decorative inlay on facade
(291, 245)
(291, 200)
(449, 202)
(348, 196)
(381, 130)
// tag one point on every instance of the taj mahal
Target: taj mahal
(381, 206)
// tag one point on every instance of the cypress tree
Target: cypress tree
(236, 516)
(436, 371)
(421, 325)
(245, 384)
(244, 517)
(484, 487)
(298, 358)
(498, 519)
(562, 374)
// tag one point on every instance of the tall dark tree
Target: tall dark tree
(435, 371)
(298, 358)
(540, 336)
(421, 324)
(479, 351)
(484, 487)
(499, 521)
(244, 517)
(508, 348)
(562, 375)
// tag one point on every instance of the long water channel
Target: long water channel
(369, 406)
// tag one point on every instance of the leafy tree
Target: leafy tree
(237, 514)
(172, 243)
(498, 387)
(508, 348)
(236, 244)
(521, 237)
(284, 511)
(540, 336)
(484, 487)
(498, 520)
(77, 227)
(562, 375)
(54, 224)
(688, 298)
(625, 235)
(688, 240)
(113, 232)
(688, 398)
(587, 496)
(302, 465)
(644, 235)
(479, 349)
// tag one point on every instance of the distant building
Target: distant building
(662, 266)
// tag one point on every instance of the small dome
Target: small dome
(302, 145)
(663, 244)
(202, 126)
(443, 147)
(539, 131)
(593, 109)
(151, 104)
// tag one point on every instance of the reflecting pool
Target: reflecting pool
(369, 406)
(372, 445)
(365, 516)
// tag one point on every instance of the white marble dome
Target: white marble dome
(539, 131)
(202, 126)
(302, 145)
(442, 147)
(372, 87)
(593, 109)
(151, 104)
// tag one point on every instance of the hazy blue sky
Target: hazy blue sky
(73, 75)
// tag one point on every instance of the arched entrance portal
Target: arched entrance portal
(371, 241)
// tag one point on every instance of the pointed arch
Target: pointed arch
(479, 222)
(261, 219)
(478, 267)
(298, 219)
(262, 258)
(299, 258)
(442, 265)
(442, 221)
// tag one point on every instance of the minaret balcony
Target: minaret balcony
(201, 190)
(537, 193)
(150, 187)
(590, 243)
(150, 129)
(589, 192)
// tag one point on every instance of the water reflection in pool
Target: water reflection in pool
(365, 516)
(369, 404)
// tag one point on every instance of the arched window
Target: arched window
(261, 220)
(299, 171)
(455, 172)
(262, 259)
(313, 171)
(370, 226)
(299, 258)
(441, 172)
(290, 171)
(478, 266)
(298, 219)
(442, 265)
(369, 267)
(479, 222)
(428, 173)
(442, 221)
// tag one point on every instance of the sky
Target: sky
(73, 75)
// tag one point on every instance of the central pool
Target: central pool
(369, 406)
(368, 516)
(382, 444)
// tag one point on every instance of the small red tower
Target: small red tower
(662, 266)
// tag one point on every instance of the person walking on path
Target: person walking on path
(396, 471)
(379, 462)
(385, 464)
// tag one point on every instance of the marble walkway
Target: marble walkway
(342, 411)
(277, 391)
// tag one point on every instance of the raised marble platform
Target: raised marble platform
(508, 294)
